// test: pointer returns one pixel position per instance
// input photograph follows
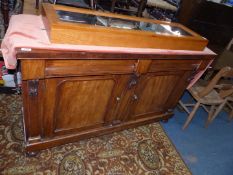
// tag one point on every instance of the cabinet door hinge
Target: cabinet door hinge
(33, 87)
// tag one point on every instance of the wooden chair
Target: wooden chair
(213, 95)
(229, 103)
(138, 4)
(161, 9)
(161, 4)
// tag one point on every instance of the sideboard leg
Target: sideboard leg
(31, 154)
(165, 120)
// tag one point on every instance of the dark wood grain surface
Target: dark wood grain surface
(74, 95)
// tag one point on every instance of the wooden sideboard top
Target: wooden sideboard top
(64, 54)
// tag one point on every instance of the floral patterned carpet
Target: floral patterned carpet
(145, 150)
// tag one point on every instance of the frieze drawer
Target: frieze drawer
(173, 65)
(58, 68)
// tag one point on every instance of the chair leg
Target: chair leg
(191, 115)
(231, 112)
(91, 2)
(141, 7)
(113, 5)
(211, 112)
(183, 106)
(37, 4)
(218, 110)
(231, 115)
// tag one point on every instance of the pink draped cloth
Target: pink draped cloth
(28, 32)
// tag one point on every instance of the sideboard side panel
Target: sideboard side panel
(33, 99)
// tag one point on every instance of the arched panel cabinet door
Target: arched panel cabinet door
(75, 104)
(159, 90)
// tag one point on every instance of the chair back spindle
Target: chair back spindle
(226, 72)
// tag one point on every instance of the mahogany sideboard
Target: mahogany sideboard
(71, 95)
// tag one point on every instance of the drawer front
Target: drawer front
(55, 68)
(173, 65)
